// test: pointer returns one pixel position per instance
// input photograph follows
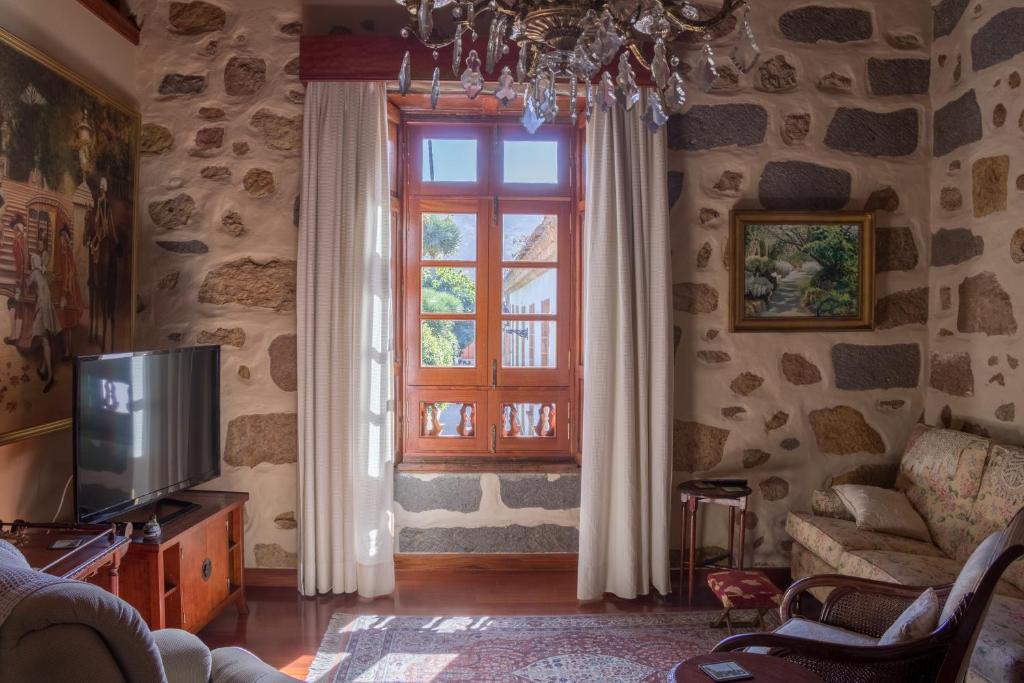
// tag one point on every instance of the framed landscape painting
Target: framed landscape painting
(68, 165)
(802, 271)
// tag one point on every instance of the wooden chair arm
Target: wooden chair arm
(784, 645)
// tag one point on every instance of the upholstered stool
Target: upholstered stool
(744, 589)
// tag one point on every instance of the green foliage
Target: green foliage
(759, 266)
(441, 237)
(439, 346)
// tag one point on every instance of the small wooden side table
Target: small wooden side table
(690, 495)
(764, 668)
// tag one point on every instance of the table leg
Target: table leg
(692, 505)
(743, 533)
(685, 524)
(732, 533)
(113, 575)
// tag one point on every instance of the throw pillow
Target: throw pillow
(917, 621)
(828, 504)
(885, 510)
(971, 574)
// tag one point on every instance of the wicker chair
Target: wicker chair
(868, 608)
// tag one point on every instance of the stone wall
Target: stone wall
(977, 252)
(835, 116)
(222, 119)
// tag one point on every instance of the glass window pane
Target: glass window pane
(530, 161)
(448, 343)
(528, 420)
(528, 343)
(449, 237)
(529, 290)
(448, 290)
(529, 237)
(448, 419)
(449, 161)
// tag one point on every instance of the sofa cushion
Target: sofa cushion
(829, 538)
(827, 503)
(805, 563)
(903, 568)
(941, 473)
(999, 652)
(883, 510)
(999, 497)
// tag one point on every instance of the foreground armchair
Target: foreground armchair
(57, 630)
(842, 643)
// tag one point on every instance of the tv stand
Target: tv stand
(165, 509)
(193, 571)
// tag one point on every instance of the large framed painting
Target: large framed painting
(68, 179)
(802, 271)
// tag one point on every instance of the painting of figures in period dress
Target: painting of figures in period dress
(802, 271)
(68, 157)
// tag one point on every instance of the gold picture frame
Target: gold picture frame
(801, 271)
(69, 183)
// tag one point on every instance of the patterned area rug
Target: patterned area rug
(561, 649)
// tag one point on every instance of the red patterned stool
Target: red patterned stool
(744, 589)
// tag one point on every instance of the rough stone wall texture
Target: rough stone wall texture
(836, 116)
(977, 185)
(221, 107)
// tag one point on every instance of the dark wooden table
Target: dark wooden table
(765, 669)
(690, 495)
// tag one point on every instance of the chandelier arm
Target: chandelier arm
(728, 7)
(634, 47)
(461, 26)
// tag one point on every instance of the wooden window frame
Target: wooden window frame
(488, 385)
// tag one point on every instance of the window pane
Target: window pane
(528, 420)
(448, 290)
(529, 290)
(449, 161)
(448, 419)
(530, 161)
(449, 236)
(528, 343)
(529, 237)
(448, 343)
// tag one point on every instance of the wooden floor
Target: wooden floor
(285, 629)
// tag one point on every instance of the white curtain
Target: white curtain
(344, 334)
(627, 361)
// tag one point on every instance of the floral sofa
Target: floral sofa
(965, 487)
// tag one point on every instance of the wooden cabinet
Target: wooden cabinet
(188, 576)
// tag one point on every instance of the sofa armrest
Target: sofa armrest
(185, 658)
(235, 665)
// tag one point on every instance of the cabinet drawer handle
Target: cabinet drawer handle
(207, 569)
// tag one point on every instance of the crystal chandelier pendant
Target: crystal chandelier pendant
(589, 106)
(550, 101)
(606, 92)
(675, 93)
(655, 116)
(505, 92)
(746, 53)
(608, 41)
(689, 12)
(659, 65)
(652, 19)
(522, 64)
(472, 79)
(707, 73)
(435, 87)
(495, 41)
(404, 79)
(572, 99)
(426, 19)
(531, 120)
(628, 92)
(624, 9)
(457, 52)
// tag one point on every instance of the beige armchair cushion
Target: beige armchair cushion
(976, 566)
(918, 620)
(883, 510)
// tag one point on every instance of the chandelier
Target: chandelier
(573, 42)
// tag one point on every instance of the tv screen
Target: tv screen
(145, 425)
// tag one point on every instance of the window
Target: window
(488, 295)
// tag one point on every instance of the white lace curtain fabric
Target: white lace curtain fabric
(627, 361)
(344, 338)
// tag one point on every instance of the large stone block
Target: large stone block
(172, 213)
(182, 84)
(842, 430)
(985, 306)
(957, 123)
(907, 307)
(895, 249)
(248, 282)
(708, 126)
(694, 297)
(155, 139)
(798, 370)
(999, 40)
(990, 186)
(951, 374)
(244, 76)
(803, 186)
(452, 492)
(946, 15)
(183, 246)
(194, 18)
(697, 447)
(776, 75)
(225, 336)
(540, 491)
(544, 538)
(268, 438)
(859, 367)
(899, 76)
(951, 246)
(833, 24)
(284, 362)
(280, 133)
(859, 131)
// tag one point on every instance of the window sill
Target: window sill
(490, 465)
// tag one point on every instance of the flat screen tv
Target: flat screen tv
(146, 425)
